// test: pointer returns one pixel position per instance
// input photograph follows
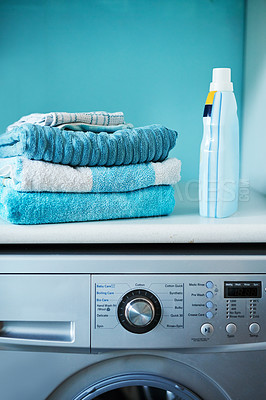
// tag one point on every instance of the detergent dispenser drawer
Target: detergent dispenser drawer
(45, 311)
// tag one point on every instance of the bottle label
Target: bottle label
(208, 105)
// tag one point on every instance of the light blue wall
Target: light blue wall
(151, 59)
(254, 121)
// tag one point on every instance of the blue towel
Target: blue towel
(94, 128)
(46, 208)
(128, 146)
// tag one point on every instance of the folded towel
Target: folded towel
(128, 146)
(58, 118)
(45, 208)
(39, 176)
(79, 126)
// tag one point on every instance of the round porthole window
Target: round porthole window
(137, 387)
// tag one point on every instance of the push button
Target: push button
(209, 285)
(207, 330)
(231, 329)
(254, 328)
(209, 295)
(209, 314)
(209, 304)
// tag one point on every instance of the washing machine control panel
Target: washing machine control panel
(177, 311)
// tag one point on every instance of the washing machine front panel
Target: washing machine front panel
(204, 332)
(161, 311)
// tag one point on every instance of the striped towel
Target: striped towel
(26, 175)
(59, 118)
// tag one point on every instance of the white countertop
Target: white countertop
(183, 226)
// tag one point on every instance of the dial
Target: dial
(139, 311)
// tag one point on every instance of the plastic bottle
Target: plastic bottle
(219, 153)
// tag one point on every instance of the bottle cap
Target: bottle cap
(221, 80)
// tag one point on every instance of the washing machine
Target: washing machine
(129, 324)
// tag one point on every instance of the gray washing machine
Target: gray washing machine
(164, 324)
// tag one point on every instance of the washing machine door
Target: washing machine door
(138, 377)
(137, 387)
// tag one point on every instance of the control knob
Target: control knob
(139, 311)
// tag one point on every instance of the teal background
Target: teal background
(254, 115)
(151, 59)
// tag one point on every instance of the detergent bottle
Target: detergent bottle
(219, 152)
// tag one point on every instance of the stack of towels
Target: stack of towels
(66, 167)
